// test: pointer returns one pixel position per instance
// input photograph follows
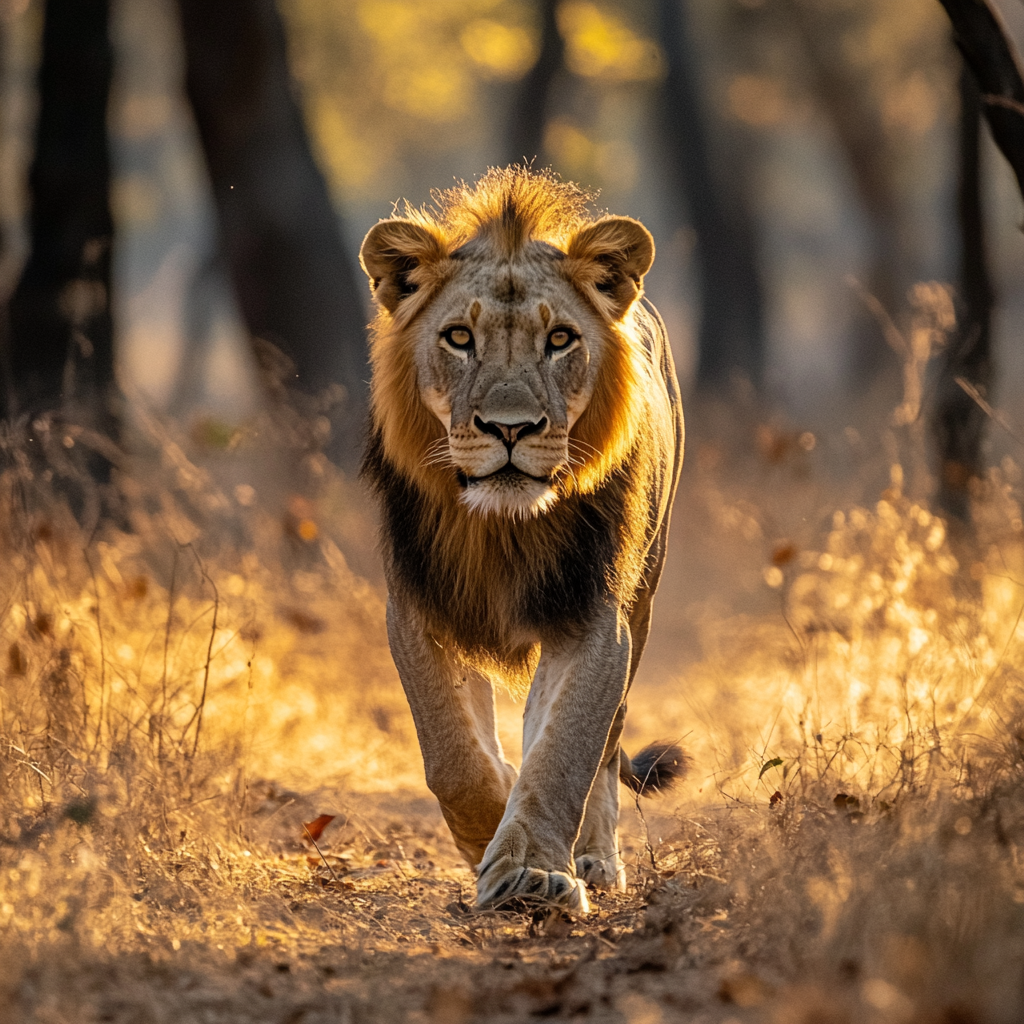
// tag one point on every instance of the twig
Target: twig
(994, 414)
(1004, 101)
(648, 847)
(167, 630)
(99, 630)
(209, 650)
(318, 850)
(890, 331)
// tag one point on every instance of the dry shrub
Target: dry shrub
(867, 754)
(158, 661)
(848, 850)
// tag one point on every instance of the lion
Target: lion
(525, 443)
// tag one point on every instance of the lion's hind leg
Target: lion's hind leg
(654, 770)
(597, 850)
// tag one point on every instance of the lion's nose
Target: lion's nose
(509, 433)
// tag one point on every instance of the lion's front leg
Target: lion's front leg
(453, 708)
(576, 693)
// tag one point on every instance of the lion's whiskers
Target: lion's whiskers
(438, 453)
(586, 449)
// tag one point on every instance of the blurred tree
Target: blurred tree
(60, 347)
(530, 103)
(732, 327)
(985, 44)
(958, 422)
(281, 237)
(992, 81)
(872, 154)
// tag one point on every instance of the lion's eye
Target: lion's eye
(458, 337)
(561, 338)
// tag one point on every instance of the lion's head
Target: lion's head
(504, 361)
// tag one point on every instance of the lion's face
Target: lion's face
(506, 359)
(505, 346)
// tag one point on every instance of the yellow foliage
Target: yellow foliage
(501, 51)
(600, 45)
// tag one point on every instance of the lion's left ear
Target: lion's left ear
(608, 261)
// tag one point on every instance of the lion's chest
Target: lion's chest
(498, 585)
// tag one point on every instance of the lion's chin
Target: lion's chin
(510, 494)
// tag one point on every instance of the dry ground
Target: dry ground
(188, 682)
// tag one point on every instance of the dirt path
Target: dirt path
(378, 928)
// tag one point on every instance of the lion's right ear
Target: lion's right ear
(397, 255)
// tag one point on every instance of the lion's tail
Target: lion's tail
(658, 767)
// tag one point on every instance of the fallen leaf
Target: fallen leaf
(315, 828)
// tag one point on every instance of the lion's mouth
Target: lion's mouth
(507, 472)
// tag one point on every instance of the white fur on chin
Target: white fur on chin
(517, 498)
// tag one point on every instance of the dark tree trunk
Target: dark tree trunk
(281, 237)
(985, 44)
(992, 83)
(529, 106)
(60, 347)
(958, 423)
(731, 338)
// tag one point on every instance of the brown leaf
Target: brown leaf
(775, 798)
(315, 828)
(303, 621)
(16, 663)
(784, 553)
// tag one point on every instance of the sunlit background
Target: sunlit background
(403, 96)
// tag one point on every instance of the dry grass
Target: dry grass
(186, 683)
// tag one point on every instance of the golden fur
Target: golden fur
(525, 443)
(478, 562)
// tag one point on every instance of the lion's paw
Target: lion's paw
(501, 884)
(602, 872)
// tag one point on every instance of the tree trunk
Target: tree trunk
(985, 44)
(958, 423)
(731, 338)
(60, 347)
(529, 107)
(281, 237)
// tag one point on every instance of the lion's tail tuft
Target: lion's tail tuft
(658, 767)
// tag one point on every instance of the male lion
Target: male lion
(525, 441)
